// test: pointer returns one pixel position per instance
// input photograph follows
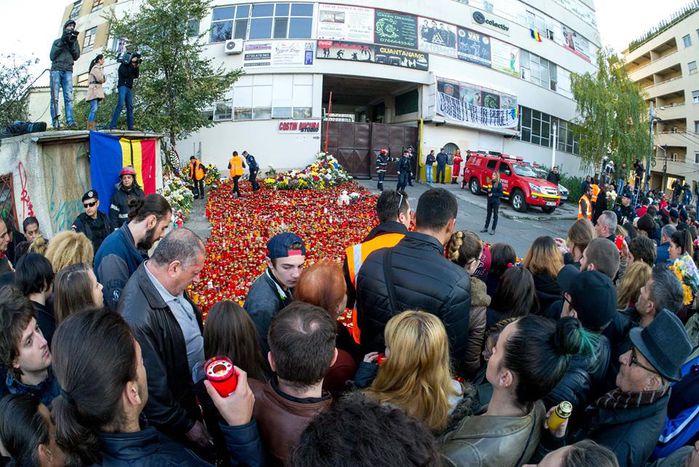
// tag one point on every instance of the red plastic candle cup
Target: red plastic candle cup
(221, 373)
(380, 359)
(619, 242)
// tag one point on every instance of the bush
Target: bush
(574, 187)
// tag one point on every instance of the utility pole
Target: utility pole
(650, 150)
(553, 147)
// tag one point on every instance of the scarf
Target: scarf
(617, 399)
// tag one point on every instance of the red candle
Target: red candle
(222, 375)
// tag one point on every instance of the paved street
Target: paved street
(517, 229)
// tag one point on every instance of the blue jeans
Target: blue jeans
(61, 79)
(94, 103)
(428, 173)
(125, 97)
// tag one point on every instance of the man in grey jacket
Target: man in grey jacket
(64, 51)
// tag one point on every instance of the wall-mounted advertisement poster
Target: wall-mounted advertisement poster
(475, 105)
(343, 50)
(278, 53)
(576, 43)
(504, 57)
(405, 58)
(391, 28)
(437, 37)
(345, 23)
(474, 47)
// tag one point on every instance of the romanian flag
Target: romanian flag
(109, 153)
(535, 35)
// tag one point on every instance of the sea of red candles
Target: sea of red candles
(240, 228)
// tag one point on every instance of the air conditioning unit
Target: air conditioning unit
(233, 47)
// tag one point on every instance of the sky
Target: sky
(30, 26)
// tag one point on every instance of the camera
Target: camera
(70, 36)
(127, 57)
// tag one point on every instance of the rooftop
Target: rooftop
(665, 24)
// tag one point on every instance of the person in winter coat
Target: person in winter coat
(544, 261)
(95, 93)
(429, 164)
(415, 275)
(126, 190)
(456, 166)
(464, 249)
(382, 161)
(442, 159)
(554, 176)
(494, 194)
(253, 167)
(64, 52)
(128, 72)
(404, 170)
(93, 223)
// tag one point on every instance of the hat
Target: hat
(279, 246)
(627, 194)
(90, 194)
(592, 295)
(664, 343)
(128, 170)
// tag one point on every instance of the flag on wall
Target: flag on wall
(535, 35)
(109, 153)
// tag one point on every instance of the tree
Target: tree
(14, 82)
(613, 116)
(177, 82)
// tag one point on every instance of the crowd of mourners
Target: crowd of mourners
(583, 353)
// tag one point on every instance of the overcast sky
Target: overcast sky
(30, 26)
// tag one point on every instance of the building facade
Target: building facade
(358, 75)
(664, 63)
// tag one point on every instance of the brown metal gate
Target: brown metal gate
(356, 144)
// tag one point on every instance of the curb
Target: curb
(515, 215)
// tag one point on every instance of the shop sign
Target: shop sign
(299, 126)
(391, 28)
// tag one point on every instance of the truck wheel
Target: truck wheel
(548, 209)
(474, 186)
(519, 202)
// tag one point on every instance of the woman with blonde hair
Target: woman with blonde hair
(580, 235)
(464, 248)
(415, 374)
(75, 288)
(68, 248)
(544, 261)
(628, 291)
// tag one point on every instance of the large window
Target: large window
(692, 66)
(89, 41)
(537, 127)
(75, 12)
(262, 21)
(687, 40)
(538, 70)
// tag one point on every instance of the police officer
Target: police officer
(253, 167)
(93, 223)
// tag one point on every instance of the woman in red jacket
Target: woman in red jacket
(456, 168)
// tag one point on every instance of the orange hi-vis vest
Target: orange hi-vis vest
(588, 205)
(236, 166)
(595, 191)
(356, 255)
(196, 170)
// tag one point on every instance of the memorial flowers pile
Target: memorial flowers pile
(240, 229)
(213, 177)
(325, 172)
(180, 198)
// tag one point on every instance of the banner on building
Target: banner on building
(384, 55)
(278, 53)
(299, 126)
(437, 37)
(391, 28)
(504, 57)
(476, 105)
(109, 153)
(575, 43)
(345, 23)
(474, 47)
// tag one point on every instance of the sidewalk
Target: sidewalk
(566, 211)
(197, 222)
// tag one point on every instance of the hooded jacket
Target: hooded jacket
(423, 279)
(119, 205)
(64, 52)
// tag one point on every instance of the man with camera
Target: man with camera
(128, 71)
(64, 52)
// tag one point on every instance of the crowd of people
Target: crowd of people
(457, 352)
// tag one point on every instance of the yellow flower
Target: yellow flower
(688, 298)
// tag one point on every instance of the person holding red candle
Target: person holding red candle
(272, 290)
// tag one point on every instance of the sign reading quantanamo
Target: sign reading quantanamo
(385, 55)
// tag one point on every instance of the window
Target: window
(696, 157)
(696, 127)
(75, 12)
(193, 28)
(97, 4)
(538, 70)
(265, 21)
(695, 97)
(491, 164)
(687, 40)
(692, 66)
(89, 41)
(537, 127)
(116, 44)
(83, 79)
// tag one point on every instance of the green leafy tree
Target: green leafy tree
(613, 116)
(177, 81)
(14, 81)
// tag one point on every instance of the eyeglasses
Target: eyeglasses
(634, 361)
(89, 205)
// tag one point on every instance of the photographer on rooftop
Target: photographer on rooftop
(64, 52)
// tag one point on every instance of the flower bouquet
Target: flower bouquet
(180, 198)
(213, 177)
(325, 172)
(686, 271)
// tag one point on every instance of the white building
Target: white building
(481, 74)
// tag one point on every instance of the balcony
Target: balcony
(673, 140)
(672, 111)
(654, 66)
(670, 86)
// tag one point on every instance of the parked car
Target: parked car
(521, 184)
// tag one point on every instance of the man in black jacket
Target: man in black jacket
(64, 52)
(127, 73)
(168, 326)
(415, 275)
(93, 223)
(253, 167)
